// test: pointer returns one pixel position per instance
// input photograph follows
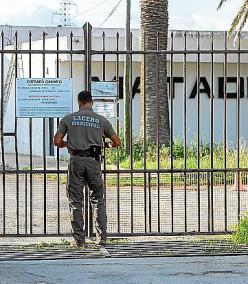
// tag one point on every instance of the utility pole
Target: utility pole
(127, 84)
(65, 13)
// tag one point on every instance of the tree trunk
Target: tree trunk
(154, 22)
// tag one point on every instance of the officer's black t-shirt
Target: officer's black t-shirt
(85, 128)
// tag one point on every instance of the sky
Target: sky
(183, 14)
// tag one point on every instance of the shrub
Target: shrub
(241, 233)
(151, 151)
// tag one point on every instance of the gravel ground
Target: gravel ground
(31, 200)
(133, 211)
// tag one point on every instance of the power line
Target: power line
(93, 8)
(111, 13)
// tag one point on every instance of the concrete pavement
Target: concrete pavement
(169, 270)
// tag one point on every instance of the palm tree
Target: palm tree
(154, 22)
(239, 20)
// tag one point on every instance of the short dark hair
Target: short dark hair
(85, 97)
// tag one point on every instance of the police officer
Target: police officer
(85, 130)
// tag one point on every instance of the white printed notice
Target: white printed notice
(105, 108)
(43, 97)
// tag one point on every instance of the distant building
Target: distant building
(178, 82)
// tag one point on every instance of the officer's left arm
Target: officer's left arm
(58, 140)
(59, 136)
(110, 133)
(115, 142)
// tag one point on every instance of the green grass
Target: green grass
(65, 244)
(118, 241)
(179, 154)
(241, 232)
(164, 180)
(44, 245)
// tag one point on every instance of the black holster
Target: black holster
(96, 152)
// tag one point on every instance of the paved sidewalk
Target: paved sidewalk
(172, 270)
(150, 260)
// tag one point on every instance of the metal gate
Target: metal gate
(192, 186)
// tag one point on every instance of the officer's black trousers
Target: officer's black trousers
(84, 170)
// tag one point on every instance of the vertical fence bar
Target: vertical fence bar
(225, 130)
(26, 202)
(16, 143)
(104, 149)
(145, 142)
(2, 138)
(208, 191)
(87, 50)
(185, 128)
(158, 126)
(87, 86)
(58, 152)
(131, 126)
(71, 55)
(44, 138)
(71, 76)
(171, 135)
(30, 144)
(150, 202)
(198, 135)
(118, 130)
(238, 126)
(103, 57)
(104, 78)
(210, 194)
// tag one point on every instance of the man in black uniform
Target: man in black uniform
(85, 130)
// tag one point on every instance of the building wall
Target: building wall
(178, 101)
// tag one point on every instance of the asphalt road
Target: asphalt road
(141, 270)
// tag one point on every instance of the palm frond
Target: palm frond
(240, 27)
(221, 4)
(239, 21)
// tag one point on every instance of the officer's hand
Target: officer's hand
(108, 145)
(116, 141)
(58, 140)
(64, 145)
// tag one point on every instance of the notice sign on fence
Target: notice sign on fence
(105, 108)
(104, 89)
(43, 97)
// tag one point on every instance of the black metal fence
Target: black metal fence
(189, 187)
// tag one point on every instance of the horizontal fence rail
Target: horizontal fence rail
(196, 183)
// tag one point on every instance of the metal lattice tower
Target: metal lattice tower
(65, 13)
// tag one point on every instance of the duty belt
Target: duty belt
(81, 153)
(94, 152)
